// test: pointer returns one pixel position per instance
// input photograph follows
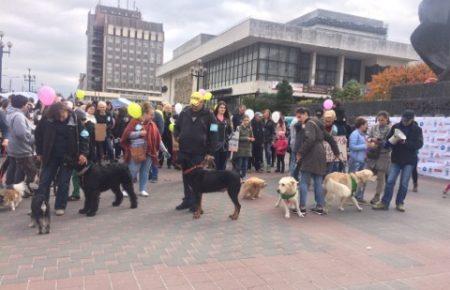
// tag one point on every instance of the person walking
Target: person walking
(140, 142)
(196, 130)
(20, 144)
(311, 157)
(104, 125)
(224, 132)
(167, 135)
(61, 143)
(403, 159)
(244, 153)
(269, 136)
(257, 145)
(358, 148)
(379, 158)
(281, 146)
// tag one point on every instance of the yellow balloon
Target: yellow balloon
(171, 127)
(196, 95)
(80, 94)
(134, 110)
(208, 96)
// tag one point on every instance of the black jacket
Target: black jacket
(406, 153)
(258, 132)
(237, 120)
(223, 134)
(269, 131)
(196, 132)
(77, 145)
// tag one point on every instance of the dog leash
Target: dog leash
(187, 171)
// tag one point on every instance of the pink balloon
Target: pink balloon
(202, 92)
(328, 104)
(46, 95)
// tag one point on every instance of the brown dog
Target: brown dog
(251, 189)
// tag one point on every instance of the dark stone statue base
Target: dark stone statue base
(422, 91)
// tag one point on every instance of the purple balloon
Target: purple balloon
(46, 95)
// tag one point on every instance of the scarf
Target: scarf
(153, 139)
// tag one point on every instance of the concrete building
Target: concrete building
(316, 52)
(123, 53)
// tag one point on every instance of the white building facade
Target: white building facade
(316, 53)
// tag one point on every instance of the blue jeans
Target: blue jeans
(354, 166)
(143, 169)
(405, 171)
(318, 189)
(48, 174)
(242, 165)
(268, 154)
(154, 170)
(292, 164)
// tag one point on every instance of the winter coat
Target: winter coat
(77, 143)
(223, 135)
(312, 151)
(196, 132)
(21, 138)
(299, 135)
(406, 153)
(281, 146)
(167, 135)
(357, 146)
(383, 161)
(269, 131)
(3, 125)
(152, 140)
(105, 119)
(237, 120)
(258, 132)
(159, 121)
(245, 146)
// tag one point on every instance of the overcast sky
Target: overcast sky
(49, 35)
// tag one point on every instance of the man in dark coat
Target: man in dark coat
(196, 131)
(237, 118)
(311, 157)
(257, 146)
(61, 143)
(403, 160)
(269, 137)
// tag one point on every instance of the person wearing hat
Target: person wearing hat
(403, 160)
(20, 145)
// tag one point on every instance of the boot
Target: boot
(375, 199)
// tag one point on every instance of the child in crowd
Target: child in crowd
(281, 146)
(244, 152)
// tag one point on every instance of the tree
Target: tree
(352, 90)
(380, 86)
(284, 97)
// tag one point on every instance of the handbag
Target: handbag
(138, 154)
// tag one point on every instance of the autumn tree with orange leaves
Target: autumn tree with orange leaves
(380, 86)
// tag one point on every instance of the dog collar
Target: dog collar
(287, 196)
(84, 170)
(354, 184)
(187, 171)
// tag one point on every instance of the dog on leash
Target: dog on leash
(40, 214)
(95, 179)
(288, 194)
(13, 196)
(252, 187)
(343, 186)
(206, 181)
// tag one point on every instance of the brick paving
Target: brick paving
(155, 247)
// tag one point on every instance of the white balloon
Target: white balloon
(178, 108)
(250, 113)
(276, 116)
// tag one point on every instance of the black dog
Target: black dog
(95, 179)
(40, 213)
(205, 181)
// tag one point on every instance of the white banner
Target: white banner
(434, 157)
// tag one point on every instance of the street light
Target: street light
(198, 71)
(29, 78)
(3, 51)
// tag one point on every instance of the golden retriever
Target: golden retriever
(251, 189)
(288, 194)
(343, 186)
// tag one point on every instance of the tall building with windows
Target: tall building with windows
(316, 53)
(123, 54)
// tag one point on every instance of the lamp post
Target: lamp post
(199, 72)
(29, 79)
(3, 51)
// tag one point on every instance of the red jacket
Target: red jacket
(281, 146)
(153, 139)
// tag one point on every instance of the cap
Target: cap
(18, 101)
(408, 115)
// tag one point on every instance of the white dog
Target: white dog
(288, 193)
(343, 186)
(12, 197)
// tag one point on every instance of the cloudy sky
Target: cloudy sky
(49, 35)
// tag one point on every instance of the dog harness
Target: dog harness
(354, 185)
(287, 196)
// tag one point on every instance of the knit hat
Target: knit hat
(18, 101)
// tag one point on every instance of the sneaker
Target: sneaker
(182, 206)
(153, 180)
(59, 212)
(303, 211)
(362, 201)
(124, 193)
(380, 206)
(400, 208)
(318, 211)
(74, 198)
(144, 193)
(375, 200)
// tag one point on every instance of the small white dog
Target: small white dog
(288, 194)
(12, 197)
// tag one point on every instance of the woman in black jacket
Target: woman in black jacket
(224, 131)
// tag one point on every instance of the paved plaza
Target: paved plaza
(156, 247)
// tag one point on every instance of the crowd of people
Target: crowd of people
(49, 141)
